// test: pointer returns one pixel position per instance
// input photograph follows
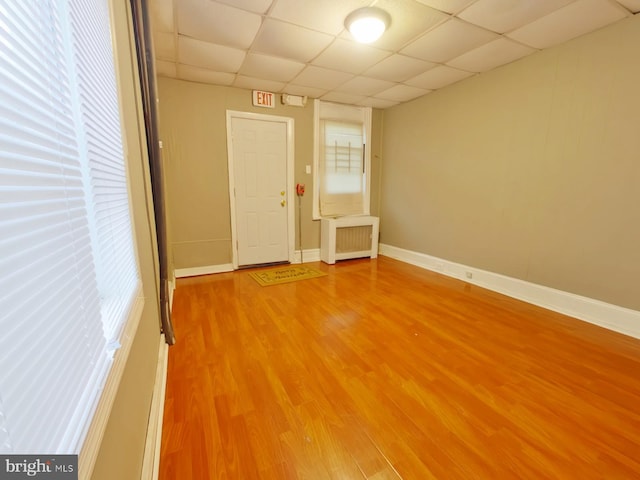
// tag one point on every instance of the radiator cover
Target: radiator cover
(348, 237)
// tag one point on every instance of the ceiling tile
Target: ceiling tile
(217, 23)
(304, 91)
(258, 6)
(438, 77)
(569, 22)
(349, 56)
(202, 75)
(402, 93)
(322, 15)
(162, 15)
(449, 40)
(397, 68)
(270, 68)
(505, 15)
(290, 41)
(347, 98)
(251, 83)
(164, 45)
(364, 86)
(165, 69)
(449, 6)
(408, 21)
(377, 103)
(208, 55)
(631, 5)
(491, 55)
(319, 77)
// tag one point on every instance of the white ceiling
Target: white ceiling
(301, 47)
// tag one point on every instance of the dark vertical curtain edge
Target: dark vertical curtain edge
(146, 68)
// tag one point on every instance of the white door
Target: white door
(259, 148)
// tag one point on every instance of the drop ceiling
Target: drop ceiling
(301, 47)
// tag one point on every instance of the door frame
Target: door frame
(291, 227)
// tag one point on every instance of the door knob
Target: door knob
(283, 202)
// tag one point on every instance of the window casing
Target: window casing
(342, 160)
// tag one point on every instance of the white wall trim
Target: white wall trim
(91, 446)
(151, 459)
(206, 270)
(613, 317)
(309, 255)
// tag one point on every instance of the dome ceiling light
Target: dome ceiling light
(367, 24)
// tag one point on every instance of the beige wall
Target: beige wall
(531, 170)
(122, 447)
(193, 131)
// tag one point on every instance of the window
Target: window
(342, 160)
(69, 270)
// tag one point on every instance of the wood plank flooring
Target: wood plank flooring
(381, 371)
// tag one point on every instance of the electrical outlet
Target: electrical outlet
(469, 274)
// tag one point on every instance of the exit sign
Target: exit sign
(264, 99)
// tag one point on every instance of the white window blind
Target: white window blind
(66, 250)
(100, 116)
(342, 159)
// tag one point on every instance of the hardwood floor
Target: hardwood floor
(382, 370)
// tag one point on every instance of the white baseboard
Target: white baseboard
(151, 459)
(310, 255)
(206, 270)
(613, 317)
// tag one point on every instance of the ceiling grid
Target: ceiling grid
(301, 47)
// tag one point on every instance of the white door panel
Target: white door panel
(259, 164)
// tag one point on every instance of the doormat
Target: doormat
(288, 273)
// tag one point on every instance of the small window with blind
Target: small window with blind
(341, 160)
